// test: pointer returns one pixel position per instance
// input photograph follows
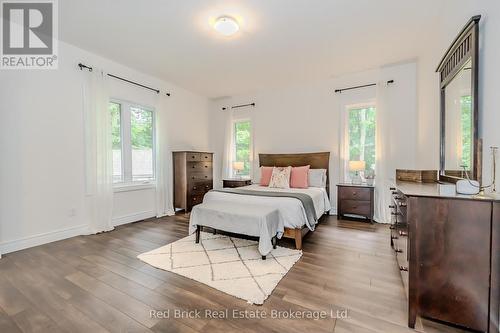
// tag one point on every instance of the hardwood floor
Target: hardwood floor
(96, 284)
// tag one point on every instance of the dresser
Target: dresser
(355, 200)
(193, 177)
(447, 249)
(235, 182)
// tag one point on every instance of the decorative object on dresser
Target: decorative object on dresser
(193, 177)
(355, 200)
(357, 166)
(418, 176)
(448, 249)
(236, 182)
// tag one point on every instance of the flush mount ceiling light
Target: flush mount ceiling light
(226, 26)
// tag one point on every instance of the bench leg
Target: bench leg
(263, 257)
(274, 241)
(198, 229)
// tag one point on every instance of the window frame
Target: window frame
(127, 183)
(353, 106)
(233, 148)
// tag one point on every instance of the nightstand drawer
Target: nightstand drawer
(233, 183)
(356, 207)
(354, 193)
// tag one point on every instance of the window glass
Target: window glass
(115, 110)
(141, 138)
(242, 142)
(362, 137)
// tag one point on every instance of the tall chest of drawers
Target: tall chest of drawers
(193, 177)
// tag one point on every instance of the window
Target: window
(242, 145)
(361, 131)
(133, 142)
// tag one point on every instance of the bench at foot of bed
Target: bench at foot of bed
(274, 240)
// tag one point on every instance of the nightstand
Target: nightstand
(236, 182)
(355, 200)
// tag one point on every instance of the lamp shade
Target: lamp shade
(238, 166)
(357, 165)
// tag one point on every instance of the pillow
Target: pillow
(317, 177)
(280, 177)
(299, 177)
(265, 175)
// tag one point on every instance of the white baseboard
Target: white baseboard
(133, 217)
(44, 238)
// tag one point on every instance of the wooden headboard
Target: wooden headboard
(315, 160)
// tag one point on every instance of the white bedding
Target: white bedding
(291, 211)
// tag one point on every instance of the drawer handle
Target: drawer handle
(206, 186)
(206, 176)
(192, 177)
(403, 268)
(206, 166)
(392, 188)
(192, 156)
(206, 156)
(355, 207)
(194, 187)
(354, 193)
(403, 233)
(194, 167)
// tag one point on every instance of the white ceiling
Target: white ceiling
(280, 42)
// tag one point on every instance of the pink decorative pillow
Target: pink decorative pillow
(265, 175)
(300, 177)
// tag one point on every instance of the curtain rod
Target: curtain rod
(363, 86)
(239, 106)
(82, 66)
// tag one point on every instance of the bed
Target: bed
(291, 210)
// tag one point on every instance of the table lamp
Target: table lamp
(238, 166)
(357, 166)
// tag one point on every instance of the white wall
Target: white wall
(306, 118)
(42, 147)
(489, 83)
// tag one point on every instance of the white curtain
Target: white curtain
(383, 156)
(227, 160)
(164, 174)
(98, 151)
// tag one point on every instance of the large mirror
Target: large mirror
(460, 149)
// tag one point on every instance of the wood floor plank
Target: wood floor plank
(96, 284)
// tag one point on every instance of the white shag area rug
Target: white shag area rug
(231, 265)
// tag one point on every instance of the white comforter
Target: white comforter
(291, 211)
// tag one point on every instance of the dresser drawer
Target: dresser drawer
(356, 207)
(201, 187)
(197, 177)
(354, 193)
(205, 157)
(194, 166)
(196, 199)
(193, 157)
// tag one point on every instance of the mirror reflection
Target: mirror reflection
(459, 123)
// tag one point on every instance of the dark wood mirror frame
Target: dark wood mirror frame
(464, 48)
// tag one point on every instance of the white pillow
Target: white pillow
(281, 177)
(317, 177)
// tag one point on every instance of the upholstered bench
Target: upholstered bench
(250, 220)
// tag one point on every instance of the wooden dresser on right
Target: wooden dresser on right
(448, 252)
